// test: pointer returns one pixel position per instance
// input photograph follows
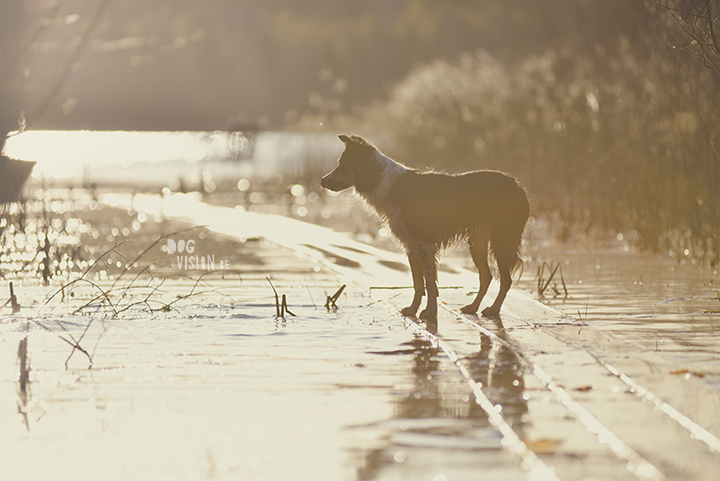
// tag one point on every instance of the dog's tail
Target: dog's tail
(505, 247)
(506, 236)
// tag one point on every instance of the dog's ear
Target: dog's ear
(344, 138)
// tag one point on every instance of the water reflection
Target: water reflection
(430, 395)
(436, 415)
(500, 372)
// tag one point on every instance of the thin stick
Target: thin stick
(552, 274)
(63, 287)
(285, 307)
(277, 300)
(331, 300)
(24, 379)
(311, 297)
(13, 300)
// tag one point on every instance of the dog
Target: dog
(429, 211)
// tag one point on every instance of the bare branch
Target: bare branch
(697, 19)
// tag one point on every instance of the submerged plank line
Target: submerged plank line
(636, 464)
(696, 430)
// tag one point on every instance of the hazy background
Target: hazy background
(194, 65)
(605, 109)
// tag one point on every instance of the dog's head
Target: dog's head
(357, 166)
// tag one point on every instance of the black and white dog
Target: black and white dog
(427, 211)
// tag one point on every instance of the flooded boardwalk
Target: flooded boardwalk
(367, 394)
(244, 357)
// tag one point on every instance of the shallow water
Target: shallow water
(218, 388)
(658, 303)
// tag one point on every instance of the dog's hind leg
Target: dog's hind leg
(505, 283)
(479, 251)
(418, 284)
(428, 260)
(505, 248)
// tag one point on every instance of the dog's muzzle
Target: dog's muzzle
(337, 180)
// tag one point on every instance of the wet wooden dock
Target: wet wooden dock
(595, 405)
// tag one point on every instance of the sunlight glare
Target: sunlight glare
(63, 153)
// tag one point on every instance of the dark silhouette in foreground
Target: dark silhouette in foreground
(13, 174)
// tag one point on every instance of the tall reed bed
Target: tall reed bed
(617, 141)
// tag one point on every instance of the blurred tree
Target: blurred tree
(182, 64)
(61, 77)
(13, 43)
(12, 35)
(611, 130)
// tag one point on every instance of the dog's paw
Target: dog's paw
(408, 311)
(469, 309)
(491, 312)
(429, 314)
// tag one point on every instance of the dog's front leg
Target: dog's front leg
(418, 285)
(428, 259)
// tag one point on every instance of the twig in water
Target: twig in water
(543, 284)
(539, 277)
(315, 305)
(13, 300)
(77, 347)
(331, 300)
(82, 276)
(119, 293)
(285, 307)
(278, 308)
(587, 301)
(72, 342)
(24, 381)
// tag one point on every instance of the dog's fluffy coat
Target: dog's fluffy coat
(429, 211)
